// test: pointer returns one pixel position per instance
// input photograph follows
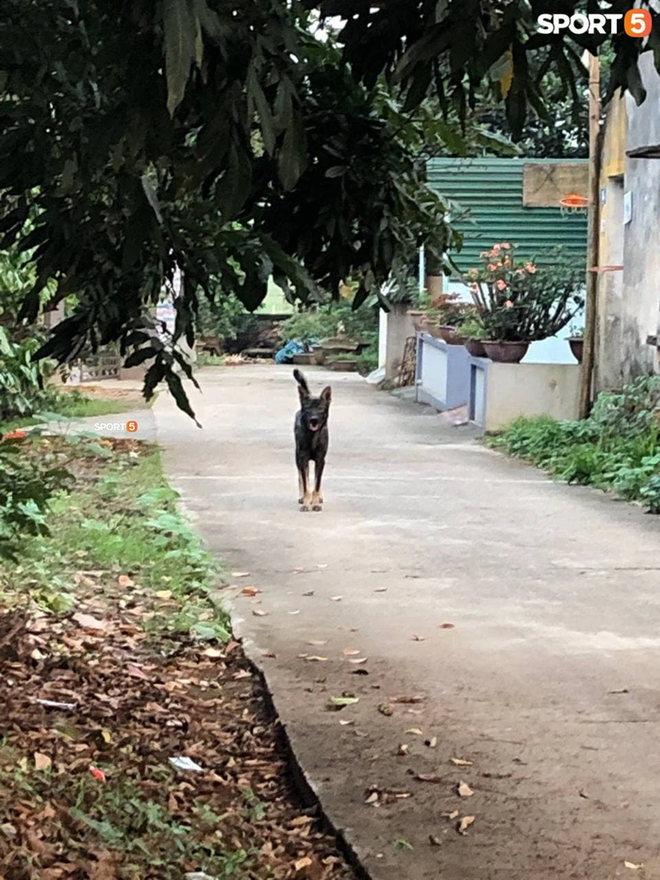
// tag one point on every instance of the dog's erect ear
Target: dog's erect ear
(326, 394)
(303, 387)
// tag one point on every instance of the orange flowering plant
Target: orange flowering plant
(525, 300)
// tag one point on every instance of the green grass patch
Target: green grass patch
(122, 517)
(77, 406)
(616, 449)
(131, 826)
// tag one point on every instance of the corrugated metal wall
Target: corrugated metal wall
(491, 191)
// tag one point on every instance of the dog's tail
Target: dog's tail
(300, 379)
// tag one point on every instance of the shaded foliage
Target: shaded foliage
(224, 161)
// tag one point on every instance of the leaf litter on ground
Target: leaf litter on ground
(109, 707)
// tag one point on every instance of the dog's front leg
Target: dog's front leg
(317, 496)
(305, 498)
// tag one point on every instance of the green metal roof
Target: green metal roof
(492, 191)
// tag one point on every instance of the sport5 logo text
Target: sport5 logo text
(131, 426)
(636, 23)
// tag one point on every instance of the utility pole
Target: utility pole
(593, 235)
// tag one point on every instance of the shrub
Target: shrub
(525, 300)
(26, 487)
(616, 448)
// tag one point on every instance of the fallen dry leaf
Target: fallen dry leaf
(240, 574)
(295, 612)
(318, 642)
(351, 652)
(335, 598)
(450, 816)
(314, 658)
(446, 626)
(345, 723)
(301, 864)
(358, 660)
(259, 612)
(415, 730)
(163, 594)
(416, 638)
(464, 824)
(403, 749)
(375, 795)
(42, 762)
(429, 777)
(432, 743)
(463, 790)
(403, 698)
(309, 593)
(385, 709)
(380, 590)
(634, 866)
(89, 622)
(323, 565)
(460, 762)
(434, 841)
(249, 591)
(213, 653)
(136, 672)
(125, 581)
(97, 774)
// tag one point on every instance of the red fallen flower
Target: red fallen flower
(97, 774)
(14, 435)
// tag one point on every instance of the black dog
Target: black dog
(311, 433)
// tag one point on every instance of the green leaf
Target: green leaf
(293, 159)
(139, 357)
(344, 701)
(152, 198)
(180, 26)
(336, 171)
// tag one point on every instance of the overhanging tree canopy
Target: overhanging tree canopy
(143, 135)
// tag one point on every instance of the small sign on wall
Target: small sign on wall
(627, 208)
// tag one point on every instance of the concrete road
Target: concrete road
(547, 680)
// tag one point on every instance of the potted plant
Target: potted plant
(441, 317)
(343, 362)
(521, 301)
(576, 342)
(473, 331)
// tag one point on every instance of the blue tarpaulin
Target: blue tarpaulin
(285, 355)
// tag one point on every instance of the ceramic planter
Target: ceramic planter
(450, 335)
(420, 320)
(577, 346)
(475, 348)
(342, 366)
(506, 352)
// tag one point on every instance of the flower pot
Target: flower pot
(577, 346)
(342, 366)
(419, 319)
(506, 352)
(307, 359)
(475, 347)
(451, 336)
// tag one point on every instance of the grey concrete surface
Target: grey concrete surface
(548, 680)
